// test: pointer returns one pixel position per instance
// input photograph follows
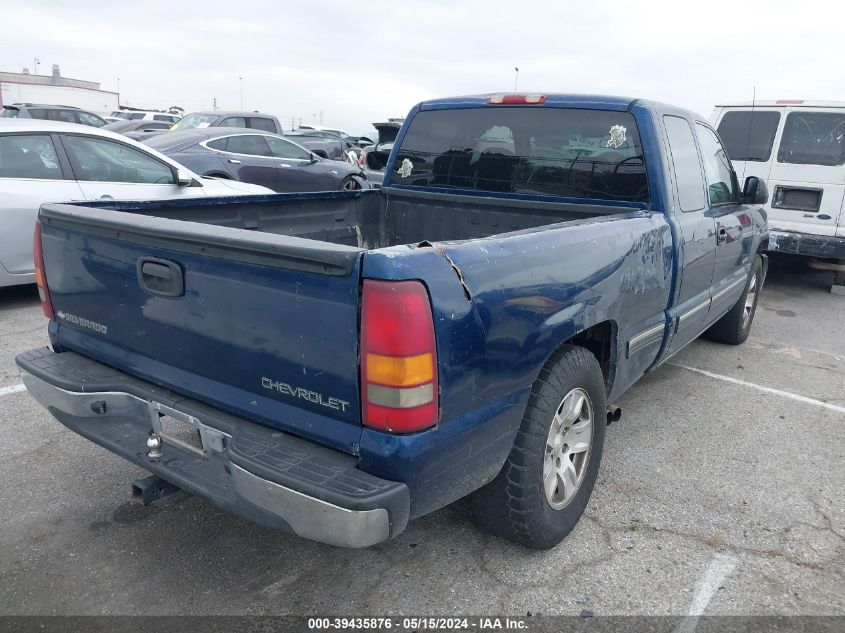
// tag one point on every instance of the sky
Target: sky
(355, 62)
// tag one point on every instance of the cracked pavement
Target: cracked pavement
(696, 468)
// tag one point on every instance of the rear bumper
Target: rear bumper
(824, 246)
(260, 473)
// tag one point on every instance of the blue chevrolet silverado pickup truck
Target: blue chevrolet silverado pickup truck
(336, 364)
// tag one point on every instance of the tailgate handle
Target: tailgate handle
(161, 277)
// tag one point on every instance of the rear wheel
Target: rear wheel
(351, 183)
(545, 484)
(733, 328)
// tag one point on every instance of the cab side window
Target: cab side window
(103, 160)
(233, 121)
(285, 149)
(29, 157)
(721, 183)
(262, 123)
(251, 144)
(687, 166)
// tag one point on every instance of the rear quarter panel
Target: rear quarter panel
(522, 296)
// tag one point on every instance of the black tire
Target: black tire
(351, 183)
(733, 327)
(515, 505)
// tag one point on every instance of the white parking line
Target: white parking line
(777, 392)
(5, 391)
(719, 568)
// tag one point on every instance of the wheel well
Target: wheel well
(600, 340)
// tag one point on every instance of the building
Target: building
(55, 90)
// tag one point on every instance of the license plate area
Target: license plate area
(186, 431)
(181, 433)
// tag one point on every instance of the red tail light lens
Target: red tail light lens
(40, 277)
(398, 357)
(362, 158)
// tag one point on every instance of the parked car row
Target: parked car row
(253, 156)
(44, 161)
(66, 114)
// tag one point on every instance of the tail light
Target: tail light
(40, 277)
(362, 158)
(398, 357)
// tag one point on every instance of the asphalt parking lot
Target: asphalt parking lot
(720, 491)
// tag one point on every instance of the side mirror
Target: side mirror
(183, 178)
(754, 191)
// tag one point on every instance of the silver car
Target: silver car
(47, 161)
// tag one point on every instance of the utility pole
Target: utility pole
(35, 63)
(515, 77)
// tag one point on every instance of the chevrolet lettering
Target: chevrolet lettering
(305, 394)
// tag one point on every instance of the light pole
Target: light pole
(515, 77)
(35, 61)
(242, 93)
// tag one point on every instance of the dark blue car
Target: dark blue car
(257, 157)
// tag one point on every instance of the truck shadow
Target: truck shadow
(17, 297)
(789, 272)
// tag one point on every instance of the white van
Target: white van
(798, 147)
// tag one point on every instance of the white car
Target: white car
(798, 148)
(143, 115)
(47, 161)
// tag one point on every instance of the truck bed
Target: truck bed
(372, 219)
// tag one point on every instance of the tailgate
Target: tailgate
(263, 326)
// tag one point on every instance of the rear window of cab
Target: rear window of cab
(575, 153)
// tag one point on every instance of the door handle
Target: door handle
(106, 196)
(234, 161)
(721, 235)
(161, 277)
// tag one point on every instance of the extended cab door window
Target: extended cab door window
(688, 178)
(721, 184)
(733, 241)
(697, 233)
